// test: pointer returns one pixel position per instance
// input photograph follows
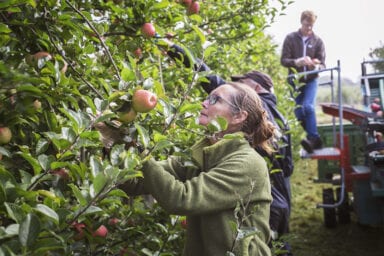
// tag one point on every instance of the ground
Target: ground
(309, 236)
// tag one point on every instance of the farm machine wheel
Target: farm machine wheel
(329, 213)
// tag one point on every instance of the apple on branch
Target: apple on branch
(102, 231)
(5, 135)
(138, 53)
(61, 173)
(194, 8)
(148, 30)
(143, 101)
(127, 117)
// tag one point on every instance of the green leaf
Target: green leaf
(190, 107)
(92, 209)
(127, 74)
(45, 161)
(105, 117)
(44, 209)
(32, 161)
(95, 166)
(116, 154)
(29, 88)
(162, 145)
(3, 196)
(98, 184)
(89, 135)
(143, 135)
(42, 146)
(217, 125)
(46, 246)
(29, 230)
(12, 230)
(4, 29)
(199, 33)
(5, 152)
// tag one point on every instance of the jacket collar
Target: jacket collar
(207, 155)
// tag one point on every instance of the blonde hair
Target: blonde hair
(257, 128)
(309, 16)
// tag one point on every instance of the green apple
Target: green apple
(127, 117)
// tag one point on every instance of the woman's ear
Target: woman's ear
(240, 117)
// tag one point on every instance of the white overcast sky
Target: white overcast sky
(349, 29)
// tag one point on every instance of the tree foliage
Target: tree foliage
(378, 54)
(58, 181)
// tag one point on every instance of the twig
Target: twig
(59, 51)
(98, 36)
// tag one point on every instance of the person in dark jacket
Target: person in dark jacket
(281, 162)
(304, 51)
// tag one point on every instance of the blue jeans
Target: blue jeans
(305, 108)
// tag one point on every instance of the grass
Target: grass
(309, 236)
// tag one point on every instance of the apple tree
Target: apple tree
(69, 131)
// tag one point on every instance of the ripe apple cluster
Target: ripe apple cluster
(101, 231)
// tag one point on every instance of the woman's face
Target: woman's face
(218, 104)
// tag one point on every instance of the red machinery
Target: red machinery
(353, 158)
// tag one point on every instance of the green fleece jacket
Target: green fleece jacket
(208, 194)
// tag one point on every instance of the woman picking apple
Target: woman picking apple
(227, 172)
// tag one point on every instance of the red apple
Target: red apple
(194, 8)
(113, 221)
(138, 53)
(62, 173)
(79, 227)
(5, 135)
(148, 30)
(127, 117)
(143, 101)
(102, 231)
(183, 223)
(375, 107)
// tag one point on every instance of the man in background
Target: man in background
(304, 51)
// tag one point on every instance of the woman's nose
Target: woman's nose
(205, 103)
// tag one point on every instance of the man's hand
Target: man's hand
(304, 61)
